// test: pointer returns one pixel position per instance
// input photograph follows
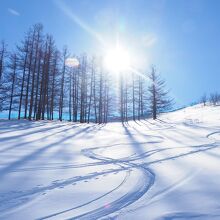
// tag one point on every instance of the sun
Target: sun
(117, 60)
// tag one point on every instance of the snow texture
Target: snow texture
(167, 169)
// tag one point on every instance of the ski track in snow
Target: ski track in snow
(8, 203)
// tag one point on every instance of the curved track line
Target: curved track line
(145, 181)
(143, 185)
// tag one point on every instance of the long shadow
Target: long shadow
(135, 144)
(127, 162)
(123, 201)
(138, 122)
(155, 126)
(202, 148)
(19, 125)
(192, 150)
(31, 133)
(20, 128)
(32, 156)
(23, 144)
(89, 151)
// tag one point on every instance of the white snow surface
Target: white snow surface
(165, 169)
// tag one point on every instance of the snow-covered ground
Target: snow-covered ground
(164, 169)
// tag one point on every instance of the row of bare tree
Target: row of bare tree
(213, 98)
(37, 83)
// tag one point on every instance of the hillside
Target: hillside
(154, 170)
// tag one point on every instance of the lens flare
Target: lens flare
(72, 62)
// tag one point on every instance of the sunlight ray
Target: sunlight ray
(68, 12)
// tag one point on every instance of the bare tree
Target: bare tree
(3, 90)
(214, 98)
(2, 57)
(204, 99)
(55, 73)
(36, 57)
(158, 95)
(83, 89)
(29, 67)
(75, 92)
(23, 59)
(92, 82)
(62, 84)
(12, 79)
(121, 88)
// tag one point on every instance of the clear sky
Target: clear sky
(180, 37)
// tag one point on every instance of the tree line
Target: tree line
(213, 98)
(38, 82)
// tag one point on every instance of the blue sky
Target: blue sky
(180, 37)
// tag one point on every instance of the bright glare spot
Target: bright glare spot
(72, 62)
(117, 60)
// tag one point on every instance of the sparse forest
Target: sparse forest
(38, 81)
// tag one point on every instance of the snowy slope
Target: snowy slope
(163, 169)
